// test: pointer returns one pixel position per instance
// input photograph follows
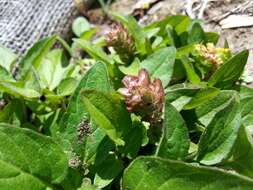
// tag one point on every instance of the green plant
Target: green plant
(159, 108)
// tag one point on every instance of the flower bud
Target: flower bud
(122, 42)
(208, 58)
(143, 97)
(211, 54)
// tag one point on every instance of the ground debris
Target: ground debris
(235, 21)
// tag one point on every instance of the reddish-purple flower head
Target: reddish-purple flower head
(143, 97)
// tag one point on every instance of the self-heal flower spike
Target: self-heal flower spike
(119, 38)
(143, 97)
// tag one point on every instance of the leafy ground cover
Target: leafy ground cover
(153, 107)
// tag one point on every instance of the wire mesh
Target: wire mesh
(23, 22)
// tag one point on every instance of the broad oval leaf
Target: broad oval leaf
(161, 64)
(109, 113)
(5, 75)
(17, 89)
(175, 140)
(80, 25)
(151, 173)
(35, 55)
(206, 111)
(241, 160)
(53, 69)
(246, 104)
(32, 81)
(97, 77)
(230, 71)
(179, 22)
(211, 37)
(181, 94)
(67, 87)
(134, 140)
(13, 113)
(201, 97)
(29, 160)
(109, 169)
(94, 51)
(7, 58)
(196, 34)
(218, 139)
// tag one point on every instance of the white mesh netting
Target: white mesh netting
(23, 22)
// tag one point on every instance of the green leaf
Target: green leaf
(86, 185)
(29, 160)
(5, 75)
(7, 58)
(134, 140)
(97, 77)
(109, 113)
(230, 71)
(206, 111)
(220, 135)
(87, 35)
(131, 69)
(67, 87)
(162, 174)
(246, 104)
(185, 50)
(179, 22)
(181, 94)
(73, 180)
(32, 81)
(201, 97)
(226, 44)
(196, 34)
(17, 89)
(97, 146)
(211, 37)
(13, 113)
(172, 20)
(107, 171)
(35, 55)
(191, 74)
(80, 25)
(94, 51)
(161, 64)
(175, 140)
(89, 187)
(53, 69)
(241, 160)
(182, 27)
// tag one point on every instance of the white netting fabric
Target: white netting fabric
(23, 22)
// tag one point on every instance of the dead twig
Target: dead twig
(196, 11)
(188, 8)
(203, 8)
